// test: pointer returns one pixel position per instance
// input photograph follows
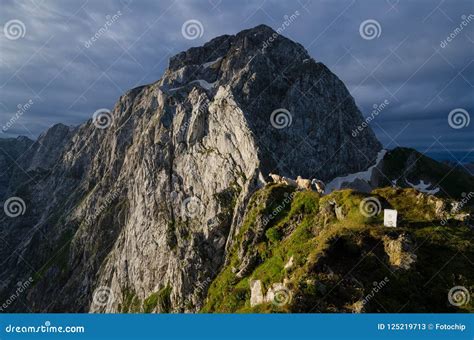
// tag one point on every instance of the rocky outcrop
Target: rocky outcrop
(277, 294)
(46, 151)
(144, 209)
(400, 251)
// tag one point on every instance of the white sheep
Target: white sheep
(303, 184)
(276, 178)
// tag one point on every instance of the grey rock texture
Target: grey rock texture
(147, 207)
(400, 251)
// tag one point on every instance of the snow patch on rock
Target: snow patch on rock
(204, 84)
(423, 187)
(210, 63)
(366, 175)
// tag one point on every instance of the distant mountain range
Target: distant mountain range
(467, 167)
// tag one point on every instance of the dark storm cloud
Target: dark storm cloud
(68, 78)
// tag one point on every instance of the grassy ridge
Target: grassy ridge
(337, 260)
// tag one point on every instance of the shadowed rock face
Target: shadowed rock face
(139, 214)
(10, 150)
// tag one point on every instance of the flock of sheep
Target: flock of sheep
(300, 183)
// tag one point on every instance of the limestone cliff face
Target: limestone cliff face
(137, 216)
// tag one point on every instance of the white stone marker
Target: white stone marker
(256, 295)
(389, 218)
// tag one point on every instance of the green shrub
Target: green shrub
(273, 235)
(150, 303)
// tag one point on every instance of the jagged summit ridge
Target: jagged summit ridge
(248, 42)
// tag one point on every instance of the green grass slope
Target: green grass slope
(345, 261)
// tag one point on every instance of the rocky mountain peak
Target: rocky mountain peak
(24, 139)
(266, 73)
(57, 131)
(151, 203)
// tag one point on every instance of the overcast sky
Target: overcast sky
(47, 62)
